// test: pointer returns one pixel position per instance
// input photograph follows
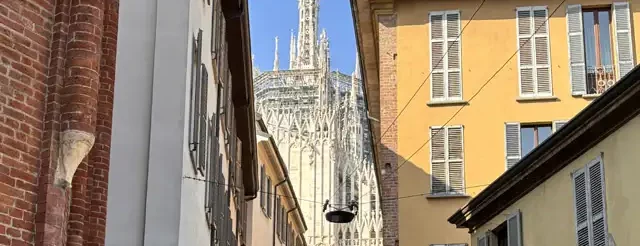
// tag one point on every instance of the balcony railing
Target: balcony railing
(600, 78)
(361, 242)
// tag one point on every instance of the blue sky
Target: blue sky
(270, 18)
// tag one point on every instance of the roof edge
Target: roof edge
(594, 123)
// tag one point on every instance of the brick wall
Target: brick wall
(57, 67)
(388, 111)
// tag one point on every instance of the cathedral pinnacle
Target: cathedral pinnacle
(276, 60)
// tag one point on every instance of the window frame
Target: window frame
(598, 160)
(445, 59)
(531, 39)
(447, 162)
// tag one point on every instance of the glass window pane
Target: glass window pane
(605, 38)
(588, 22)
(543, 133)
(526, 140)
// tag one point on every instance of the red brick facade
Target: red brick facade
(388, 112)
(57, 70)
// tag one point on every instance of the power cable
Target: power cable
(482, 87)
(419, 87)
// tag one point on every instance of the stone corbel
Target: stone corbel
(74, 147)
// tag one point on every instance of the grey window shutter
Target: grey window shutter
(437, 39)
(541, 47)
(533, 54)
(558, 124)
(454, 74)
(455, 158)
(525, 52)
(438, 160)
(512, 144)
(514, 229)
(581, 207)
(483, 240)
(576, 50)
(597, 203)
(624, 45)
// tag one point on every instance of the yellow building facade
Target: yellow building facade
(275, 217)
(483, 105)
(578, 188)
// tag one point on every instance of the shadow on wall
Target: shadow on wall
(422, 215)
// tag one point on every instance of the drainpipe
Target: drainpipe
(275, 196)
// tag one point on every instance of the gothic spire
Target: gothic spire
(292, 51)
(307, 30)
(276, 60)
(356, 71)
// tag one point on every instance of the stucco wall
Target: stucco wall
(548, 215)
(488, 41)
(150, 202)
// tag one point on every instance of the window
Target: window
(508, 233)
(447, 160)
(596, 36)
(197, 136)
(372, 233)
(446, 77)
(268, 194)
(533, 54)
(278, 218)
(263, 189)
(372, 198)
(348, 190)
(520, 138)
(590, 204)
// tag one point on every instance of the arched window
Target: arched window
(347, 234)
(372, 233)
(356, 235)
(372, 199)
(340, 235)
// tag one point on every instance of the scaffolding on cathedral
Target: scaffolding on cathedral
(318, 119)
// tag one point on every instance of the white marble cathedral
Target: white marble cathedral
(318, 119)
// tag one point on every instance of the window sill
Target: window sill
(447, 195)
(537, 99)
(446, 103)
(590, 96)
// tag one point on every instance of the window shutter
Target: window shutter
(533, 54)
(514, 229)
(454, 77)
(438, 164)
(597, 203)
(525, 54)
(624, 46)
(512, 143)
(558, 124)
(580, 205)
(541, 47)
(262, 187)
(576, 50)
(456, 159)
(438, 62)
(482, 240)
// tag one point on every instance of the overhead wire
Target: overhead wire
(481, 87)
(417, 90)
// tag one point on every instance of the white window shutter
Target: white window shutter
(512, 144)
(455, 154)
(558, 124)
(525, 52)
(597, 203)
(581, 207)
(624, 45)
(438, 162)
(514, 230)
(438, 62)
(541, 47)
(454, 76)
(576, 50)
